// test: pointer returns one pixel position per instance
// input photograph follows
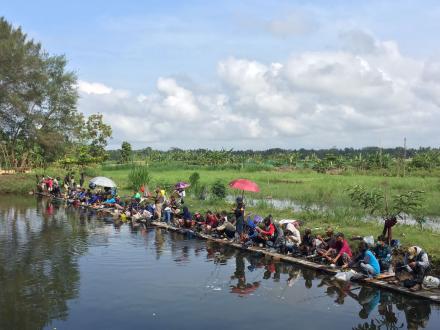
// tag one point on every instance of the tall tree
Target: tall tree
(95, 134)
(38, 115)
(125, 152)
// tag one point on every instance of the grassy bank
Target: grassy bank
(17, 183)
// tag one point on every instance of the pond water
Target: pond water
(64, 268)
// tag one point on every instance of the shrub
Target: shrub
(194, 179)
(218, 189)
(91, 171)
(139, 176)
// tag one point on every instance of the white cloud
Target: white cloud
(367, 93)
(93, 88)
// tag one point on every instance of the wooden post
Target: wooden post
(404, 155)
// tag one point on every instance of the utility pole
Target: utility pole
(404, 155)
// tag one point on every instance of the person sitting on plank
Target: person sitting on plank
(307, 246)
(211, 222)
(292, 236)
(343, 252)
(186, 218)
(199, 222)
(416, 263)
(328, 245)
(226, 228)
(383, 254)
(268, 232)
(250, 231)
(366, 261)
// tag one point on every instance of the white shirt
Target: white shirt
(295, 235)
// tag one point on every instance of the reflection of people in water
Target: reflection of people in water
(309, 276)
(335, 287)
(242, 288)
(368, 298)
(294, 276)
(417, 314)
(386, 309)
(49, 208)
(270, 269)
(158, 242)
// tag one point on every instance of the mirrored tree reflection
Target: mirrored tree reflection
(39, 250)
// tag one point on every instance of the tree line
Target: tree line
(39, 119)
(397, 160)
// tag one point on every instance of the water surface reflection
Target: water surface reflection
(66, 268)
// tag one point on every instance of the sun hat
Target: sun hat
(412, 252)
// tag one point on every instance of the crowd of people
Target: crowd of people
(236, 225)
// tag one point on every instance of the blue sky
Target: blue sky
(196, 48)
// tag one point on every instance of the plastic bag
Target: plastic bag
(431, 282)
(345, 276)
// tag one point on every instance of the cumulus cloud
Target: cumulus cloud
(366, 93)
(93, 88)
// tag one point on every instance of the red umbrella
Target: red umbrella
(245, 185)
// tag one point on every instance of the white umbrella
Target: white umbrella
(102, 181)
(282, 222)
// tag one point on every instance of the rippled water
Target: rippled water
(64, 268)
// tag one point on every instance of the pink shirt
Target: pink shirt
(345, 248)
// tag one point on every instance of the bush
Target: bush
(194, 179)
(91, 171)
(139, 176)
(218, 189)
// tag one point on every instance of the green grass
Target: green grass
(305, 187)
(17, 183)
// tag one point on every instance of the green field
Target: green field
(305, 187)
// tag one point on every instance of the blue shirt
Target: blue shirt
(371, 260)
(252, 233)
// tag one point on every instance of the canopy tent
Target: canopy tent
(102, 181)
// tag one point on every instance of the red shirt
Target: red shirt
(270, 231)
(345, 248)
(211, 220)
